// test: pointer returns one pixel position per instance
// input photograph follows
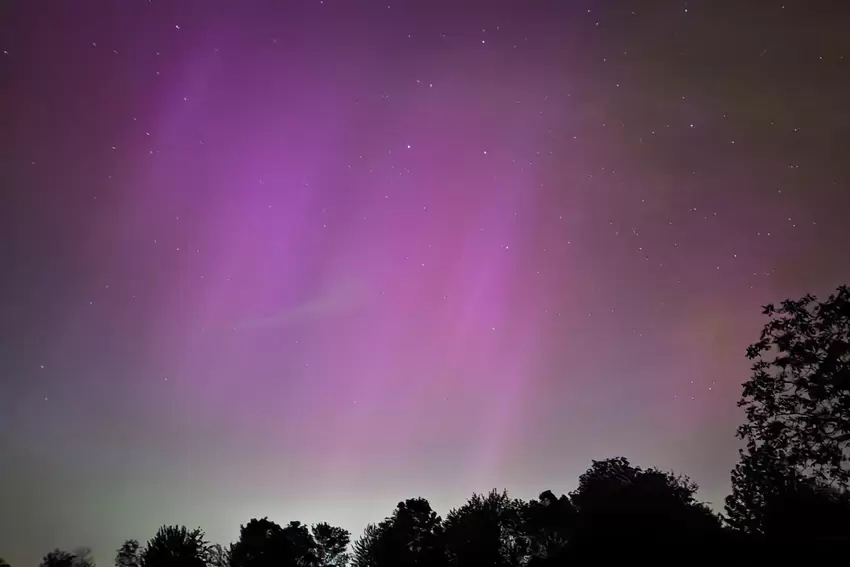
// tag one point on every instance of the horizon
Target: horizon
(305, 260)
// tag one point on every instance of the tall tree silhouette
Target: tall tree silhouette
(175, 546)
(331, 545)
(410, 537)
(619, 501)
(129, 554)
(487, 530)
(797, 400)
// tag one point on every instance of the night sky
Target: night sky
(307, 258)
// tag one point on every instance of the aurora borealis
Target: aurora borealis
(305, 259)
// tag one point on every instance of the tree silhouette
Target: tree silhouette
(58, 558)
(302, 546)
(263, 543)
(410, 537)
(4, 563)
(331, 545)
(80, 557)
(550, 524)
(756, 479)
(487, 530)
(367, 550)
(218, 556)
(83, 557)
(618, 501)
(771, 499)
(128, 555)
(797, 400)
(175, 546)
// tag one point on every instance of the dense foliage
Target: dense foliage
(794, 473)
(797, 401)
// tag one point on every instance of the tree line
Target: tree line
(791, 489)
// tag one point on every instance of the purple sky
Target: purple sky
(305, 259)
